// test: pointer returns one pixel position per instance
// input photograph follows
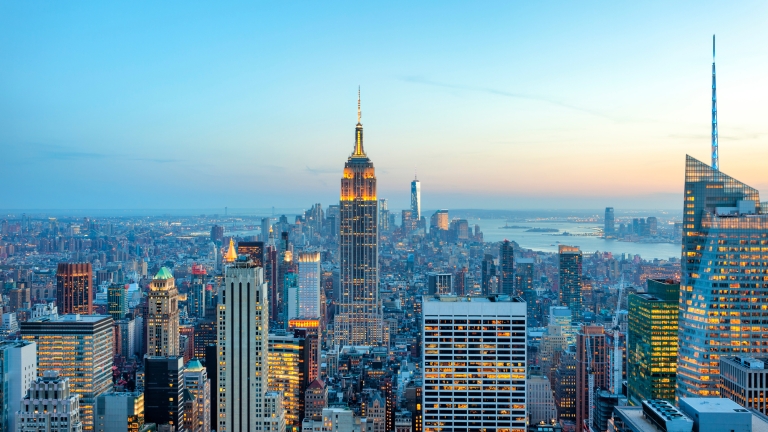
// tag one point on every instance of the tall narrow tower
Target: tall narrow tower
(715, 153)
(416, 199)
(358, 321)
(163, 319)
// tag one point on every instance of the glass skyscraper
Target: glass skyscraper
(569, 273)
(416, 199)
(359, 318)
(724, 284)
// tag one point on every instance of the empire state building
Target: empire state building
(358, 320)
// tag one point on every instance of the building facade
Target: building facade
(486, 337)
(50, 405)
(416, 199)
(591, 354)
(439, 284)
(288, 361)
(569, 276)
(309, 285)
(358, 320)
(18, 370)
(120, 412)
(74, 288)
(609, 230)
(197, 383)
(163, 315)
(507, 268)
(723, 267)
(164, 391)
(744, 380)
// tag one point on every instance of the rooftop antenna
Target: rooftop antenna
(715, 153)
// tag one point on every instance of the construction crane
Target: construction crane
(591, 382)
(617, 366)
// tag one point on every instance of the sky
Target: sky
(495, 105)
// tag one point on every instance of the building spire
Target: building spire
(359, 152)
(715, 152)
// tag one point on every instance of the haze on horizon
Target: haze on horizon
(500, 106)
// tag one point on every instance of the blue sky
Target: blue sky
(495, 105)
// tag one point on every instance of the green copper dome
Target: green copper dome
(164, 273)
(194, 365)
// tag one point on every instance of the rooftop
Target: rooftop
(713, 405)
(164, 273)
(478, 299)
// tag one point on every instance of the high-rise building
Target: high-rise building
(80, 348)
(610, 223)
(288, 360)
(117, 300)
(50, 405)
(18, 370)
(439, 220)
(309, 330)
(569, 273)
(290, 297)
(274, 412)
(309, 285)
(358, 320)
(197, 407)
(217, 234)
(243, 346)
(744, 380)
(74, 288)
(506, 268)
(564, 383)
(591, 358)
(254, 251)
(455, 329)
(164, 390)
(541, 403)
(488, 270)
(524, 287)
(315, 399)
(120, 412)
(197, 297)
(383, 215)
(652, 342)
(439, 284)
(163, 315)
(722, 265)
(266, 227)
(416, 199)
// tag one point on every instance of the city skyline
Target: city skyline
(137, 119)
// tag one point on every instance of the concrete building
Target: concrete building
(309, 285)
(652, 416)
(744, 380)
(541, 402)
(439, 284)
(243, 347)
(80, 348)
(315, 399)
(198, 410)
(120, 412)
(163, 315)
(49, 406)
(454, 329)
(18, 370)
(274, 413)
(716, 415)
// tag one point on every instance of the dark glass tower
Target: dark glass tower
(359, 319)
(74, 288)
(507, 268)
(570, 280)
(724, 281)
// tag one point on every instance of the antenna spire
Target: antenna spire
(359, 152)
(358, 104)
(715, 152)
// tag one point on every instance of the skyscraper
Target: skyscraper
(652, 342)
(51, 394)
(74, 288)
(416, 199)
(725, 251)
(198, 406)
(120, 412)
(164, 390)
(80, 348)
(592, 355)
(288, 361)
(506, 268)
(454, 396)
(569, 273)
(309, 285)
(439, 284)
(242, 348)
(524, 286)
(163, 315)
(610, 223)
(18, 370)
(359, 317)
(117, 300)
(197, 297)
(254, 250)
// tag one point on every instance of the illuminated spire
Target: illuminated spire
(231, 255)
(359, 152)
(715, 153)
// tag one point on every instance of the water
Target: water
(548, 242)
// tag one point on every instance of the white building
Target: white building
(243, 318)
(309, 285)
(474, 361)
(49, 406)
(334, 420)
(117, 412)
(20, 358)
(198, 413)
(541, 402)
(274, 412)
(10, 324)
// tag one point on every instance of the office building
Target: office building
(197, 408)
(358, 320)
(561, 315)
(50, 405)
(591, 353)
(309, 285)
(610, 223)
(309, 330)
(315, 399)
(564, 383)
(569, 272)
(274, 413)
(416, 199)
(652, 342)
(744, 380)
(454, 330)
(651, 416)
(243, 346)
(197, 298)
(163, 315)
(541, 402)
(439, 284)
(80, 348)
(290, 297)
(74, 288)
(439, 221)
(253, 250)
(507, 268)
(266, 228)
(717, 415)
(722, 266)
(117, 301)
(524, 288)
(488, 270)
(217, 234)
(288, 360)
(120, 412)
(164, 391)
(18, 370)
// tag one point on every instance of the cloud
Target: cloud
(323, 171)
(35, 152)
(424, 81)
